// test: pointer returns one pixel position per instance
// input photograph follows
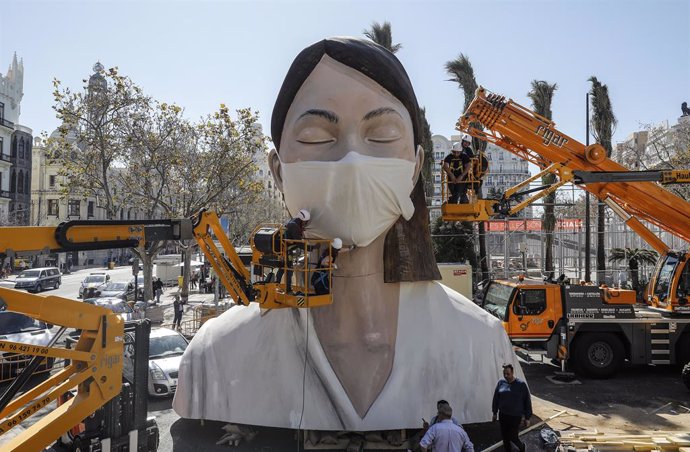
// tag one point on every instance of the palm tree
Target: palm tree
(382, 34)
(603, 123)
(633, 257)
(462, 73)
(541, 95)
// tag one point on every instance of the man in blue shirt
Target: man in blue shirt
(513, 401)
(445, 436)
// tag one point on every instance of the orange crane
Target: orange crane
(634, 196)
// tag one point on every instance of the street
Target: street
(70, 283)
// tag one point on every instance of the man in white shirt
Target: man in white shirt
(445, 436)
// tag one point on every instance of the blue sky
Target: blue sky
(201, 54)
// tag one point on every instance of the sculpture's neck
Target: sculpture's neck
(359, 330)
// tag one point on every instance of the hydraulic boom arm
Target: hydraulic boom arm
(536, 139)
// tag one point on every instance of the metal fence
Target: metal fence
(518, 246)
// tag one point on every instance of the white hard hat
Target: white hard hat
(337, 243)
(466, 137)
(303, 215)
(457, 147)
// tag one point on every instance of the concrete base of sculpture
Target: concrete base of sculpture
(249, 369)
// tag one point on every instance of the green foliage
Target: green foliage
(453, 241)
(541, 96)
(603, 120)
(382, 34)
(462, 73)
(603, 124)
(634, 257)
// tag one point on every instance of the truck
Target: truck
(102, 392)
(594, 329)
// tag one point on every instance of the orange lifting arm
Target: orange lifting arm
(230, 269)
(536, 139)
(95, 367)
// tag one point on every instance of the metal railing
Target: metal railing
(6, 123)
(200, 314)
(5, 194)
(5, 157)
(11, 365)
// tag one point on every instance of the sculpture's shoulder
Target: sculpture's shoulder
(441, 300)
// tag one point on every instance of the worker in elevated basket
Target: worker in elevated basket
(346, 126)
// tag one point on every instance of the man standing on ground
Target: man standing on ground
(445, 436)
(178, 306)
(513, 404)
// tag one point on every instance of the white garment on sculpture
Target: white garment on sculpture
(343, 189)
(248, 369)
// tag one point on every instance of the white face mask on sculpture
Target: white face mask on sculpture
(356, 198)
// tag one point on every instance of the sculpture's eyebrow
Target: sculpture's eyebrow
(378, 112)
(328, 115)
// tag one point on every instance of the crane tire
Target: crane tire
(600, 355)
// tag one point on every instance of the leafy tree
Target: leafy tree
(93, 136)
(453, 241)
(603, 124)
(633, 257)
(541, 96)
(125, 149)
(461, 72)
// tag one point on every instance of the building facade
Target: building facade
(15, 149)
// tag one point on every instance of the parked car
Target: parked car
(95, 281)
(117, 305)
(165, 354)
(16, 327)
(37, 279)
(121, 290)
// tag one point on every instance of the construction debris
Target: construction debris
(666, 442)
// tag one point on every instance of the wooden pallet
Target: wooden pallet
(661, 442)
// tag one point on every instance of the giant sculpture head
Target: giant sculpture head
(346, 126)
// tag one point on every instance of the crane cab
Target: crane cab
(669, 286)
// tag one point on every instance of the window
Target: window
(53, 207)
(73, 207)
(52, 180)
(27, 183)
(532, 302)
(21, 148)
(13, 182)
(2, 111)
(20, 182)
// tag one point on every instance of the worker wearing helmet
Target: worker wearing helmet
(320, 279)
(453, 166)
(293, 230)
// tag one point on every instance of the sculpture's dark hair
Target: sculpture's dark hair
(408, 251)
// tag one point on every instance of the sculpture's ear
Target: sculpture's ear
(418, 164)
(274, 164)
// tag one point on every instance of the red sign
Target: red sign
(565, 224)
(459, 272)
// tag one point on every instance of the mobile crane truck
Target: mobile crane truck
(110, 391)
(595, 329)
